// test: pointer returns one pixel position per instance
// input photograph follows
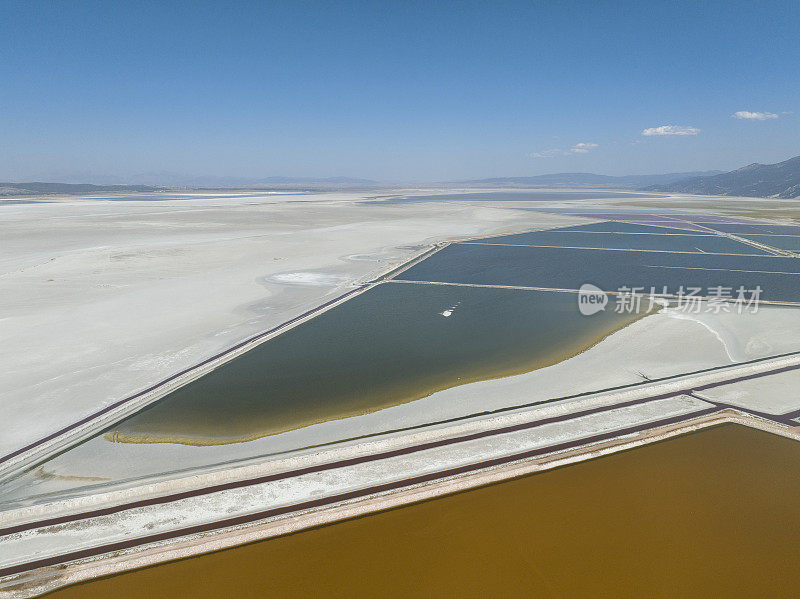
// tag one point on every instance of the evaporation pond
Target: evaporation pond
(514, 196)
(709, 514)
(641, 241)
(395, 343)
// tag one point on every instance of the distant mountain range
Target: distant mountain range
(38, 188)
(780, 180)
(154, 183)
(177, 180)
(586, 180)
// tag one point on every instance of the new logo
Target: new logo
(591, 299)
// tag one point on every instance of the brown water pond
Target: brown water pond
(714, 513)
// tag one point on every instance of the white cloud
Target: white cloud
(754, 116)
(583, 147)
(548, 153)
(671, 130)
(580, 148)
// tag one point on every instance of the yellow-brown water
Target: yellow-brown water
(714, 513)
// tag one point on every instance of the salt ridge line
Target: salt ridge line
(744, 240)
(643, 294)
(686, 389)
(192, 545)
(671, 219)
(785, 418)
(657, 233)
(685, 225)
(250, 467)
(765, 272)
(756, 233)
(330, 465)
(571, 247)
(675, 220)
(52, 541)
(333, 499)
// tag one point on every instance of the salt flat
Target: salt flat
(107, 297)
(102, 298)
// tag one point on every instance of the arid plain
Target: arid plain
(194, 371)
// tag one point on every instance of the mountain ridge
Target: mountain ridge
(586, 180)
(779, 180)
(50, 188)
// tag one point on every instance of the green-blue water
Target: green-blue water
(389, 345)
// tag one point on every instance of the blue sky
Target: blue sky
(394, 91)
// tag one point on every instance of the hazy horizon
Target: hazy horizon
(179, 180)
